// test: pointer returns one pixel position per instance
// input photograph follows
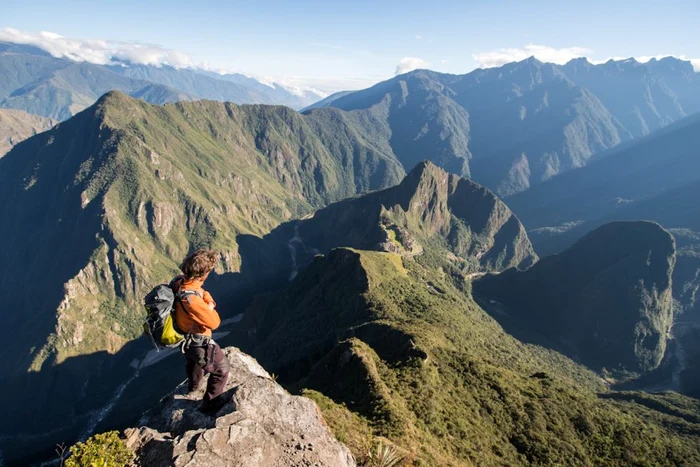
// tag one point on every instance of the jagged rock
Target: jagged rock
(263, 425)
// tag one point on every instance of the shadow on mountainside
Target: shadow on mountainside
(525, 332)
(102, 391)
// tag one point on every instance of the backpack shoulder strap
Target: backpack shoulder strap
(178, 297)
(183, 294)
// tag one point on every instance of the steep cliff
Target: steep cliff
(607, 298)
(263, 425)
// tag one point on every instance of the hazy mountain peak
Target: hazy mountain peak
(672, 65)
(580, 62)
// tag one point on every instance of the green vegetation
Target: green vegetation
(101, 450)
(621, 266)
(404, 352)
(429, 210)
(149, 184)
(104, 206)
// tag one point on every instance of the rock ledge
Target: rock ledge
(263, 425)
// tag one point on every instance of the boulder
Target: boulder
(262, 425)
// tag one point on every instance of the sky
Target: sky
(332, 45)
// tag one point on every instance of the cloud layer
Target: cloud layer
(97, 51)
(409, 64)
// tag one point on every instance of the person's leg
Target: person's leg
(218, 368)
(193, 367)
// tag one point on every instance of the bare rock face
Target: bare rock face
(263, 425)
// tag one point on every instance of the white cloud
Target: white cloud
(543, 53)
(409, 64)
(98, 51)
(419, 37)
(696, 64)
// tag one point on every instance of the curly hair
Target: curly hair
(199, 263)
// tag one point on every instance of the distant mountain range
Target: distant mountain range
(614, 186)
(34, 81)
(16, 126)
(513, 127)
(508, 128)
(383, 328)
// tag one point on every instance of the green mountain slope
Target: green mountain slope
(395, 348)
(423, 118)
(607, 299)
(103, 207)
(125, 189)
(551, 125)
(430, 210)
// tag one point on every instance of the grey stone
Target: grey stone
(259, 427)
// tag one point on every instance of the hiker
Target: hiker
(196, 317)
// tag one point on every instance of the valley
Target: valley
(494, 268)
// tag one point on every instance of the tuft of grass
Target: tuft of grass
(385, 455)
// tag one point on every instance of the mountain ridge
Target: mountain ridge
(626, 266)
(34, 81)
(554, 121)
(408, 355)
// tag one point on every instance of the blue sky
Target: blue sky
(353, 44)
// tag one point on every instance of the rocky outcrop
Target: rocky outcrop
(263, 425)
(607, 299)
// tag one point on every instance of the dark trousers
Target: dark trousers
(207, 359)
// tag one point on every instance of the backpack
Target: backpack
(159, 325)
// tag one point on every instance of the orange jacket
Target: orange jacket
(200, 317)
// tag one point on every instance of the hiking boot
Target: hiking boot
(212, 406)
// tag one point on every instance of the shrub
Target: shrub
(101, 450)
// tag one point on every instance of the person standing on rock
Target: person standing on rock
(196, 317)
